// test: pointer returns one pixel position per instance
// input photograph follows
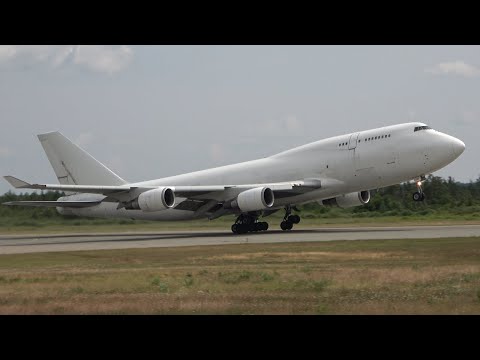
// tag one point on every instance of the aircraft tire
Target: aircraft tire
(295, 219)
(286, 225)
(417, 196)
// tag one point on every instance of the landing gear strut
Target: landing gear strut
(419, 195)
(288, 219)
(248, 223)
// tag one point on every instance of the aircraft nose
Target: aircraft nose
(458, 147)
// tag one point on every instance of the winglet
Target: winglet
(17, 183)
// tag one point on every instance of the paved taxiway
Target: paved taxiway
(15, 244)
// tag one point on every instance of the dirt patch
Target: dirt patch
(312, 255)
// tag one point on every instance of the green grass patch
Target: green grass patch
(234, 277)
(159, 284)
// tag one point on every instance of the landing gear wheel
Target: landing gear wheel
(248, 223)
(418, 196)
(286, 225)
(289, 220)
(294, 219)
(261, 226)
(242, 228)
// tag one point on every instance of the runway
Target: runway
(18, 244)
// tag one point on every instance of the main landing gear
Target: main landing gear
(289, 220)
(419, 195)
(248, 223)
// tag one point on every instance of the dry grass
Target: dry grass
(429, 276)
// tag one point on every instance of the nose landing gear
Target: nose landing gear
(289, 220)
(419, 195)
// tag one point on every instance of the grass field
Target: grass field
(96, 226)
(424, 276)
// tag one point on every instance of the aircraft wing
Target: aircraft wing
(199, 198)
(294, 187)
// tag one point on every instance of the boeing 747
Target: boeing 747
(338, 171)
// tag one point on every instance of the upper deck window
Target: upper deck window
(418, 128)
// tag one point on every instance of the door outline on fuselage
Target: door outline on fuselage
(352, 142)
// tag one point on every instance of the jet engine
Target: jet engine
(348, 200)
(253, 200)
(153, 200)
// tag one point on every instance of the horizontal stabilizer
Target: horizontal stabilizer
(20, 184)
(17, 183)
(75, 204)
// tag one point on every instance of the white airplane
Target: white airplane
(338, 171)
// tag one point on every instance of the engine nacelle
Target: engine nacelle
(253, 200)
(348, 200)
(153, 200)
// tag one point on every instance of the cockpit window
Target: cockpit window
(418, 128)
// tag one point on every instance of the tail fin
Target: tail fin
(73, 165)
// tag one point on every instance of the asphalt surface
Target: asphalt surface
(17, 244)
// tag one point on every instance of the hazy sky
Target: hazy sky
(153, 111)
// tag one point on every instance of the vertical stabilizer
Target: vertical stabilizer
(73, 165)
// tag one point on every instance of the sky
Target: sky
(148, 112)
